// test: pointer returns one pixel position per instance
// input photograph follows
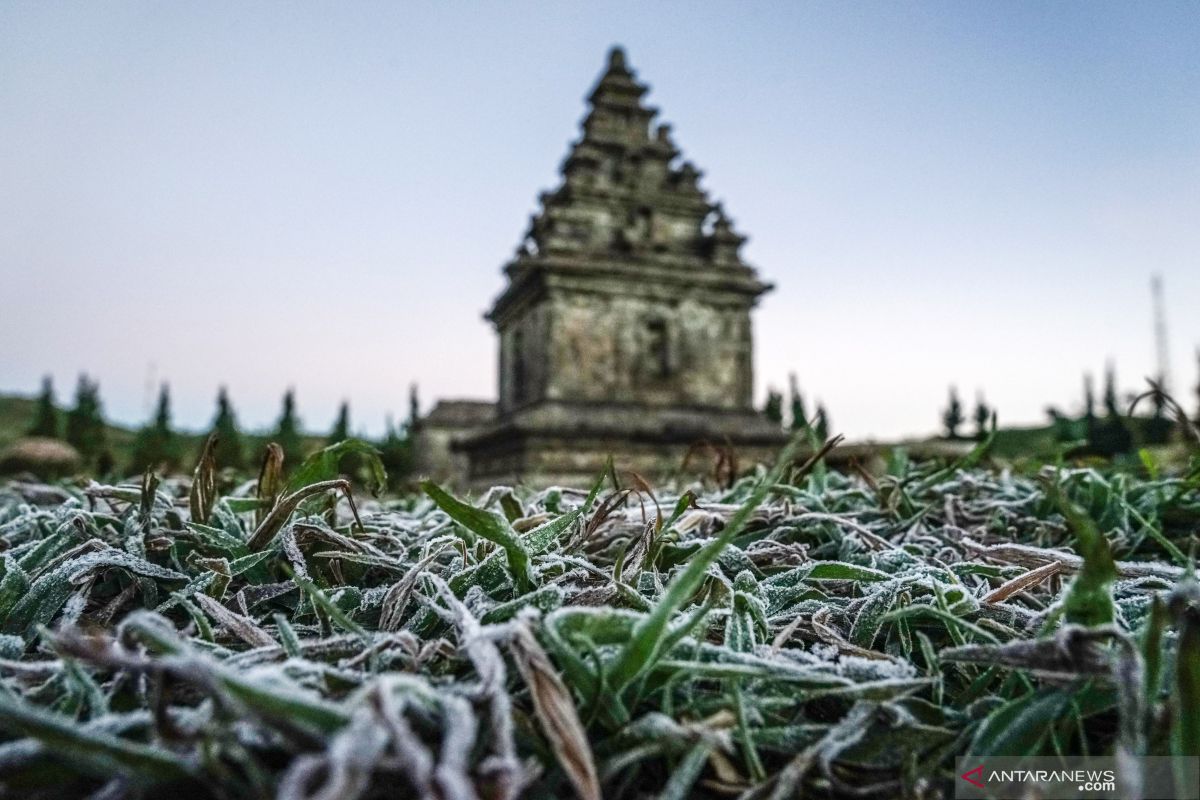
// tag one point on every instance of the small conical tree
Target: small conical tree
(287, 432)
(799, 415)
(1111, 404)
(229, 451)
(1112, 435)
(395, 451)
(45, 420)
(350, 464)
(85, 422)
(1157, 429)
(414, 406)
(773, 410)
(341, 426)
(982, 416)
(156, 446)
(952, 417)
(821, 426)
(1089, 407)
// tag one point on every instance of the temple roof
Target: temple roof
(627, 200)
(460, 413)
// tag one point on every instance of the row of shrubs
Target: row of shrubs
(78, 438)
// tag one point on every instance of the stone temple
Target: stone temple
(625, 324)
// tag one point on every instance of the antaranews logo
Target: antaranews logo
(1055, 778)
(977, 772)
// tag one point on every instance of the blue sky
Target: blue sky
(321, 196)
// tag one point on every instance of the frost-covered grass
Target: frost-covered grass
(801, 631)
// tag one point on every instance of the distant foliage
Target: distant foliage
(982, 416)
(396, 452)
(414, 406)
(229, 452)
(287, 432)
(773, 410)
(341, 426)
(1112, 406)
(1111, 435)
(822, 425)
(351, 463)
(799, 420)
(45, 421)
(1158, 428)
(952, 417)
(1089, 407)
(157, 447)
(1089, 396)
(1118, 432)
(85, 426)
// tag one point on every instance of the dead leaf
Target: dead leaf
(556, 713)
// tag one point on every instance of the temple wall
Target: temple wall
(635, 350)
(524, 359)
(434, 458)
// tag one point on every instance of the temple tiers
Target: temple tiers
(625, 324)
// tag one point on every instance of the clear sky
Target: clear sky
(322, 195)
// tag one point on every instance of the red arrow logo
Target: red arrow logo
(966, 776)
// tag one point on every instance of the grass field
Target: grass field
(802, 631)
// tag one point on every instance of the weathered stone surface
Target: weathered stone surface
(435, 434)
(625, 324)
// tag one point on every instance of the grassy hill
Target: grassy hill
(1033, 442)
(16, 415)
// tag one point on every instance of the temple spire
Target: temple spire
(616, 57)
(628, 195)
(618, 86)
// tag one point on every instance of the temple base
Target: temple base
(570, 444)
